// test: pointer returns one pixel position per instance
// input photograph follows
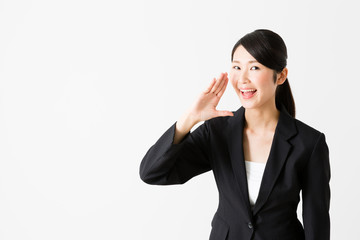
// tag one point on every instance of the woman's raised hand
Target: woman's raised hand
(203, 108)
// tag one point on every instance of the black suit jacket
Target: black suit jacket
(298, 160)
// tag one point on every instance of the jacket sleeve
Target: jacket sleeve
(166, 163)
(316, 193)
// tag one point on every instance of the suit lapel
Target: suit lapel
(235, 145)
(280, 149)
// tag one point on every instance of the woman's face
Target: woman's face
(252, 81)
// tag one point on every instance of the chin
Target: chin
(247, 104)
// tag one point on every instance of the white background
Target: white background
(86, 87)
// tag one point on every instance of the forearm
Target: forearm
(167, 163)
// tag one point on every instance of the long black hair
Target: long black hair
(269, 49)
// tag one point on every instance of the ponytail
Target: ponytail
(284, 96)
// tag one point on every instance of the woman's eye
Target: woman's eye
(236, 67)
(254, 68)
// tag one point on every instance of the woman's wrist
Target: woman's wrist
(187, 121)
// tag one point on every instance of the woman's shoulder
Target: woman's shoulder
(305, 127)
(308, 134)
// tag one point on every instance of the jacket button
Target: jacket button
(250, 225)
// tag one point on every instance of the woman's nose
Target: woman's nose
(243, 77)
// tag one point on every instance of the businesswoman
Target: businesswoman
(261, 156)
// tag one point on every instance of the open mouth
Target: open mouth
(248, 93)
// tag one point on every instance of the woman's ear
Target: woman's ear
(281, 77)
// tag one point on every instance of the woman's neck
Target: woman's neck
(264, 119)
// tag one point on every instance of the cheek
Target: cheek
(233, 82)
(233, 79)
(266, 85)
(266, 80)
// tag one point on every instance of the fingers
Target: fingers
(222, 85)
(218, 86)
(219, 83)
(210, 86)
(223, 88)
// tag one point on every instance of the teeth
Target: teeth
(248, 90)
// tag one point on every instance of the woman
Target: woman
(260, 155)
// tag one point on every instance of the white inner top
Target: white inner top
(254, 173)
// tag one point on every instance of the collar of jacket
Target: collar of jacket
(285, 129)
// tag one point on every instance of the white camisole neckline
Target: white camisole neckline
(254, 174)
